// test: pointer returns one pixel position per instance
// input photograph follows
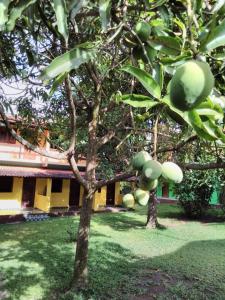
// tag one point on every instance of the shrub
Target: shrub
(195, 191)
(222, 197)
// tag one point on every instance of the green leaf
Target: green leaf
(156, 4)
(182, 26)
(4, 5)
(166, 44)
(219, 56)
(215, 39)
(105, 13)
(211, 108)
(220, 134)
(16, 12)
(208, 103)
(145, 79)
(211, 113)
(151, 53)
(198, 126)
(76, 5)
(61, 16)
(165, 15)
(206, 129)
(183, 115)
(158, 74)
(175, 59)
(67, 62)
(219, 103)
(138, 101)
(57, 81)
(219, 4)
(198, 6)
(211, 128)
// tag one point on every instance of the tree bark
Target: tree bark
(152, 221)
(80, 275)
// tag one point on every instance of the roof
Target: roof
(17, 119)
(35, 172)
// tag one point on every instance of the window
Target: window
(57, 185)
(6, 184)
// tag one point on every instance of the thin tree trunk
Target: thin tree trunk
(152, 203)
(80, 275)
(152, 221)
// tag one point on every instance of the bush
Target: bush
(126, 188)
(222, 198)
(195, 191)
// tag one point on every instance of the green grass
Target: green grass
(184, 261)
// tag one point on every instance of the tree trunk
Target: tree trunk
(80, 275)
(152, 222)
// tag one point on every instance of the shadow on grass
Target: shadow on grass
(39, 264)
(121, 221)
(115, 273)
(164, 210)
(174, 211)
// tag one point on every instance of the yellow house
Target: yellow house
(28, 190)
(31, 182)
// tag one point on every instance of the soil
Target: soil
(3, 293)
(155, 283)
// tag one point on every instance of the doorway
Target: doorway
(165, 190)
(110, 194)
(28, 192)
(74, 193)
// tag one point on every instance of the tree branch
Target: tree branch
(155, 136)
(203, 166)
(72, 109)
(143, 130)
(80, 92)
(117, 178)
(111, 132)
(38, 150)
(73, 119)
(76, 172)
(177, 147)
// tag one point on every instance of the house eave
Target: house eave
(33, 164)
(17, 171)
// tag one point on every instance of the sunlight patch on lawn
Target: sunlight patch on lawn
(34, 292)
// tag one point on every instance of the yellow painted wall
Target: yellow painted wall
(118, 195)
(43, 194)
(99, 198)
(42, 186)
(42, 202)
(12, 200)
(61, 199)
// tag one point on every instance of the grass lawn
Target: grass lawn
(184, 261)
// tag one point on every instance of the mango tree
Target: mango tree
(109, 63)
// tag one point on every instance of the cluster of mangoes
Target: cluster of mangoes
(143, 31)
(149, 173)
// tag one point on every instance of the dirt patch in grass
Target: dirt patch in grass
(155, 283)
(3, 292)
